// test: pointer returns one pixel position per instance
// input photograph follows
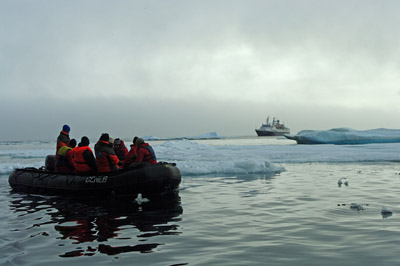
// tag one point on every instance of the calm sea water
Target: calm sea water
(300, 216)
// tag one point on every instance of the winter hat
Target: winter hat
(104, 137)
(139, 141)
(72, 143)
(85, 141)
(117, 141)
(135, 139)
(66, 128)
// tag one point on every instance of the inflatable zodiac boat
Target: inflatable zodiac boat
(144, 178)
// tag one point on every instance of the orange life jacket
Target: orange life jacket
(80, 163)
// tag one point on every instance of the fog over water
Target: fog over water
(181, 68)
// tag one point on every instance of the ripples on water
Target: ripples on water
(41, 228)
(300, 217)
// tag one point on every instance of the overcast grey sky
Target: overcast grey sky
(184, 68)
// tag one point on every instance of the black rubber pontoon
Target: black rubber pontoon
(142, 178)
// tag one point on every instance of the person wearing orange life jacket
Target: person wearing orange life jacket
(62, 139)
(65, 162)
(145, 152)
(120, 149)
(105, 156)
(84, 158)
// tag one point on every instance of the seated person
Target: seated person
(84, 158)
(131, 156)
(65, 161)
(105, 156)
(145, 152)
(120, 149)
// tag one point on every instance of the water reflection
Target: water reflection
(113, 220)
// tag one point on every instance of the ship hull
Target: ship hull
(263, 133)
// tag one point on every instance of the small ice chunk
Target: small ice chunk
(356, 206)
(139, 199)
(386, 210)
(340, 181)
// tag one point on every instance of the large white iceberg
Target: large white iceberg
(346, 136)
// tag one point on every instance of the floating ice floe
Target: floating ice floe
(356, 206)
(210, 135)
(340, 182)
(386, 210)
(147, 138)
(346, 136)
(139, 199)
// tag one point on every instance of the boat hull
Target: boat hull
(147, 179)
(262, 133)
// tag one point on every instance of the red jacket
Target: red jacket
(131, 156)
(105, 157)
(145, 153)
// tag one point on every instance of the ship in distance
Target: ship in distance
(274, 128)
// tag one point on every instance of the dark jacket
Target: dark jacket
(105, 157)
(62, 140)
(121, 151)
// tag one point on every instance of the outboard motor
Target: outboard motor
(50, 163)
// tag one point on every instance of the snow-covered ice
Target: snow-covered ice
(346, 136)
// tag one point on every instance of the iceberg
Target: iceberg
(342, 136)
(147, 138)
(211, 135)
